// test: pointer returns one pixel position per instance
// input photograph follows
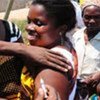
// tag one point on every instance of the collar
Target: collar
(97, 37)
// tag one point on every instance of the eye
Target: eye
(87, 17)
(39, 23)
(36, 22)
(97, 17)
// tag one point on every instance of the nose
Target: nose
(30, 27)
(91, 20)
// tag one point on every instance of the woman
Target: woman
(47, 28)
(88, 39)
(48, 21)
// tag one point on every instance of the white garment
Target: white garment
(88, 55)
(78, 10)
(69, 57)
(72, 94)
(65, 53)
(79, 45)
(90, 63)
(77, 39)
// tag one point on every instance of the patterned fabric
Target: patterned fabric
(12, 33)
(10, 73)
(10, 67)
(28, 82)
(87, 53)
(27, 89)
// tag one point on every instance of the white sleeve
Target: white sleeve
(14, 31)
(65, 53)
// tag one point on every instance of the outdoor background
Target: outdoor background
(17, 4)
(18, 14)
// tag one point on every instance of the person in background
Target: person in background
(87, 2)
(87, 45)
(46, 29)
(79, 23)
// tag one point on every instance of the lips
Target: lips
(33, 36)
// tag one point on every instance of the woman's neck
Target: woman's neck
(55, 43)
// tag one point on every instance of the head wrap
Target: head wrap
(90, 2)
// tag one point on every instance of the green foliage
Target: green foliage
(21, 24)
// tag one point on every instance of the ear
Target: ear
(63, 28)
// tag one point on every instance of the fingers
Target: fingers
(52, 93)
(98, 88)
(40, 95)
(57, 67)
(94, 83)
(57, 55)
(59, 62)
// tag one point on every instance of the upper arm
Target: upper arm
(56, 79)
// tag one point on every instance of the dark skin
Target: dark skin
(44, 36)
(52, 94)
(42, 32)
(91, 18)
(40, 55)
(94, 81)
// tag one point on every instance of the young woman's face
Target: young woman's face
(91, 17)
(40, 28)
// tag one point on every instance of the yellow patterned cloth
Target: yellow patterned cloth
(10, 72)
(27, 83)
(26, 90)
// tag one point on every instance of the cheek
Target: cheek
(41, 30)
(85, 21)
(98, 22)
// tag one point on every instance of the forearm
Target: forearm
(8, 48)
(18, 49)
(98, 89)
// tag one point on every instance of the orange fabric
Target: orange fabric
(75, 63)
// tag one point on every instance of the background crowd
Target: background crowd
(64, 50)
